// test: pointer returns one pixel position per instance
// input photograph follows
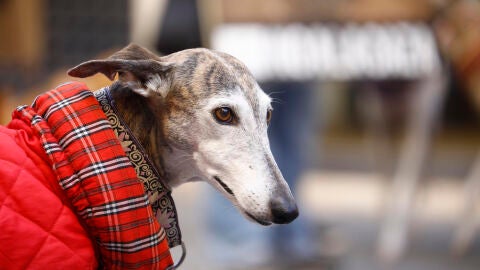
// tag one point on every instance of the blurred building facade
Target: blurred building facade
(399, 144)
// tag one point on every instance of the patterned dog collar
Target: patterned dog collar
(159, 194)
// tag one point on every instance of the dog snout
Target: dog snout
(284, 210)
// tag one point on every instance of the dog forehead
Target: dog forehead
(213, 73)
(223, 80)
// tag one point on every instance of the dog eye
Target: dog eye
(269, 116)
(224, 115)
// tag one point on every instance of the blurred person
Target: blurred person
(292, 137)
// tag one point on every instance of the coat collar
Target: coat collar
(153, 179)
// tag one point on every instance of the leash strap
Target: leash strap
(182, 258)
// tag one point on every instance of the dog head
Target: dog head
(213, 120)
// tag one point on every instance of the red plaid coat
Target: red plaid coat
(69, 197)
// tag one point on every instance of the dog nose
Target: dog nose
(283, 210)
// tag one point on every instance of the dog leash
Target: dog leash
(182, 258)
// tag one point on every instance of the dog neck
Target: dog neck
(135, 112)
(138, 114)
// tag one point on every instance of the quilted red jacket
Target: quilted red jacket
(69, 198)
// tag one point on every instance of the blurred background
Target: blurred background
(375, 122)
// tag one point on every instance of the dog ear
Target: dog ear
(136, 66)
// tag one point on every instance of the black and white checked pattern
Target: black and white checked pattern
(62, 103)
(69, 182)
(84, 131)
(114, 207)
(137, 244)
(51, 148)
(36, 119)
(21, 108)
(96, 169)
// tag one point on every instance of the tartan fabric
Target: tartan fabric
(152, 177)
(98, 178)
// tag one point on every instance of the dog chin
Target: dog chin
(257, 220)
(233, 198)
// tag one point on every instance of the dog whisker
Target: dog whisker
(277, 100)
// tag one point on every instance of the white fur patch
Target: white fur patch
(157, 85)
(264, 99)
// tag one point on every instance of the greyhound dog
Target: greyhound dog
(201, 115)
